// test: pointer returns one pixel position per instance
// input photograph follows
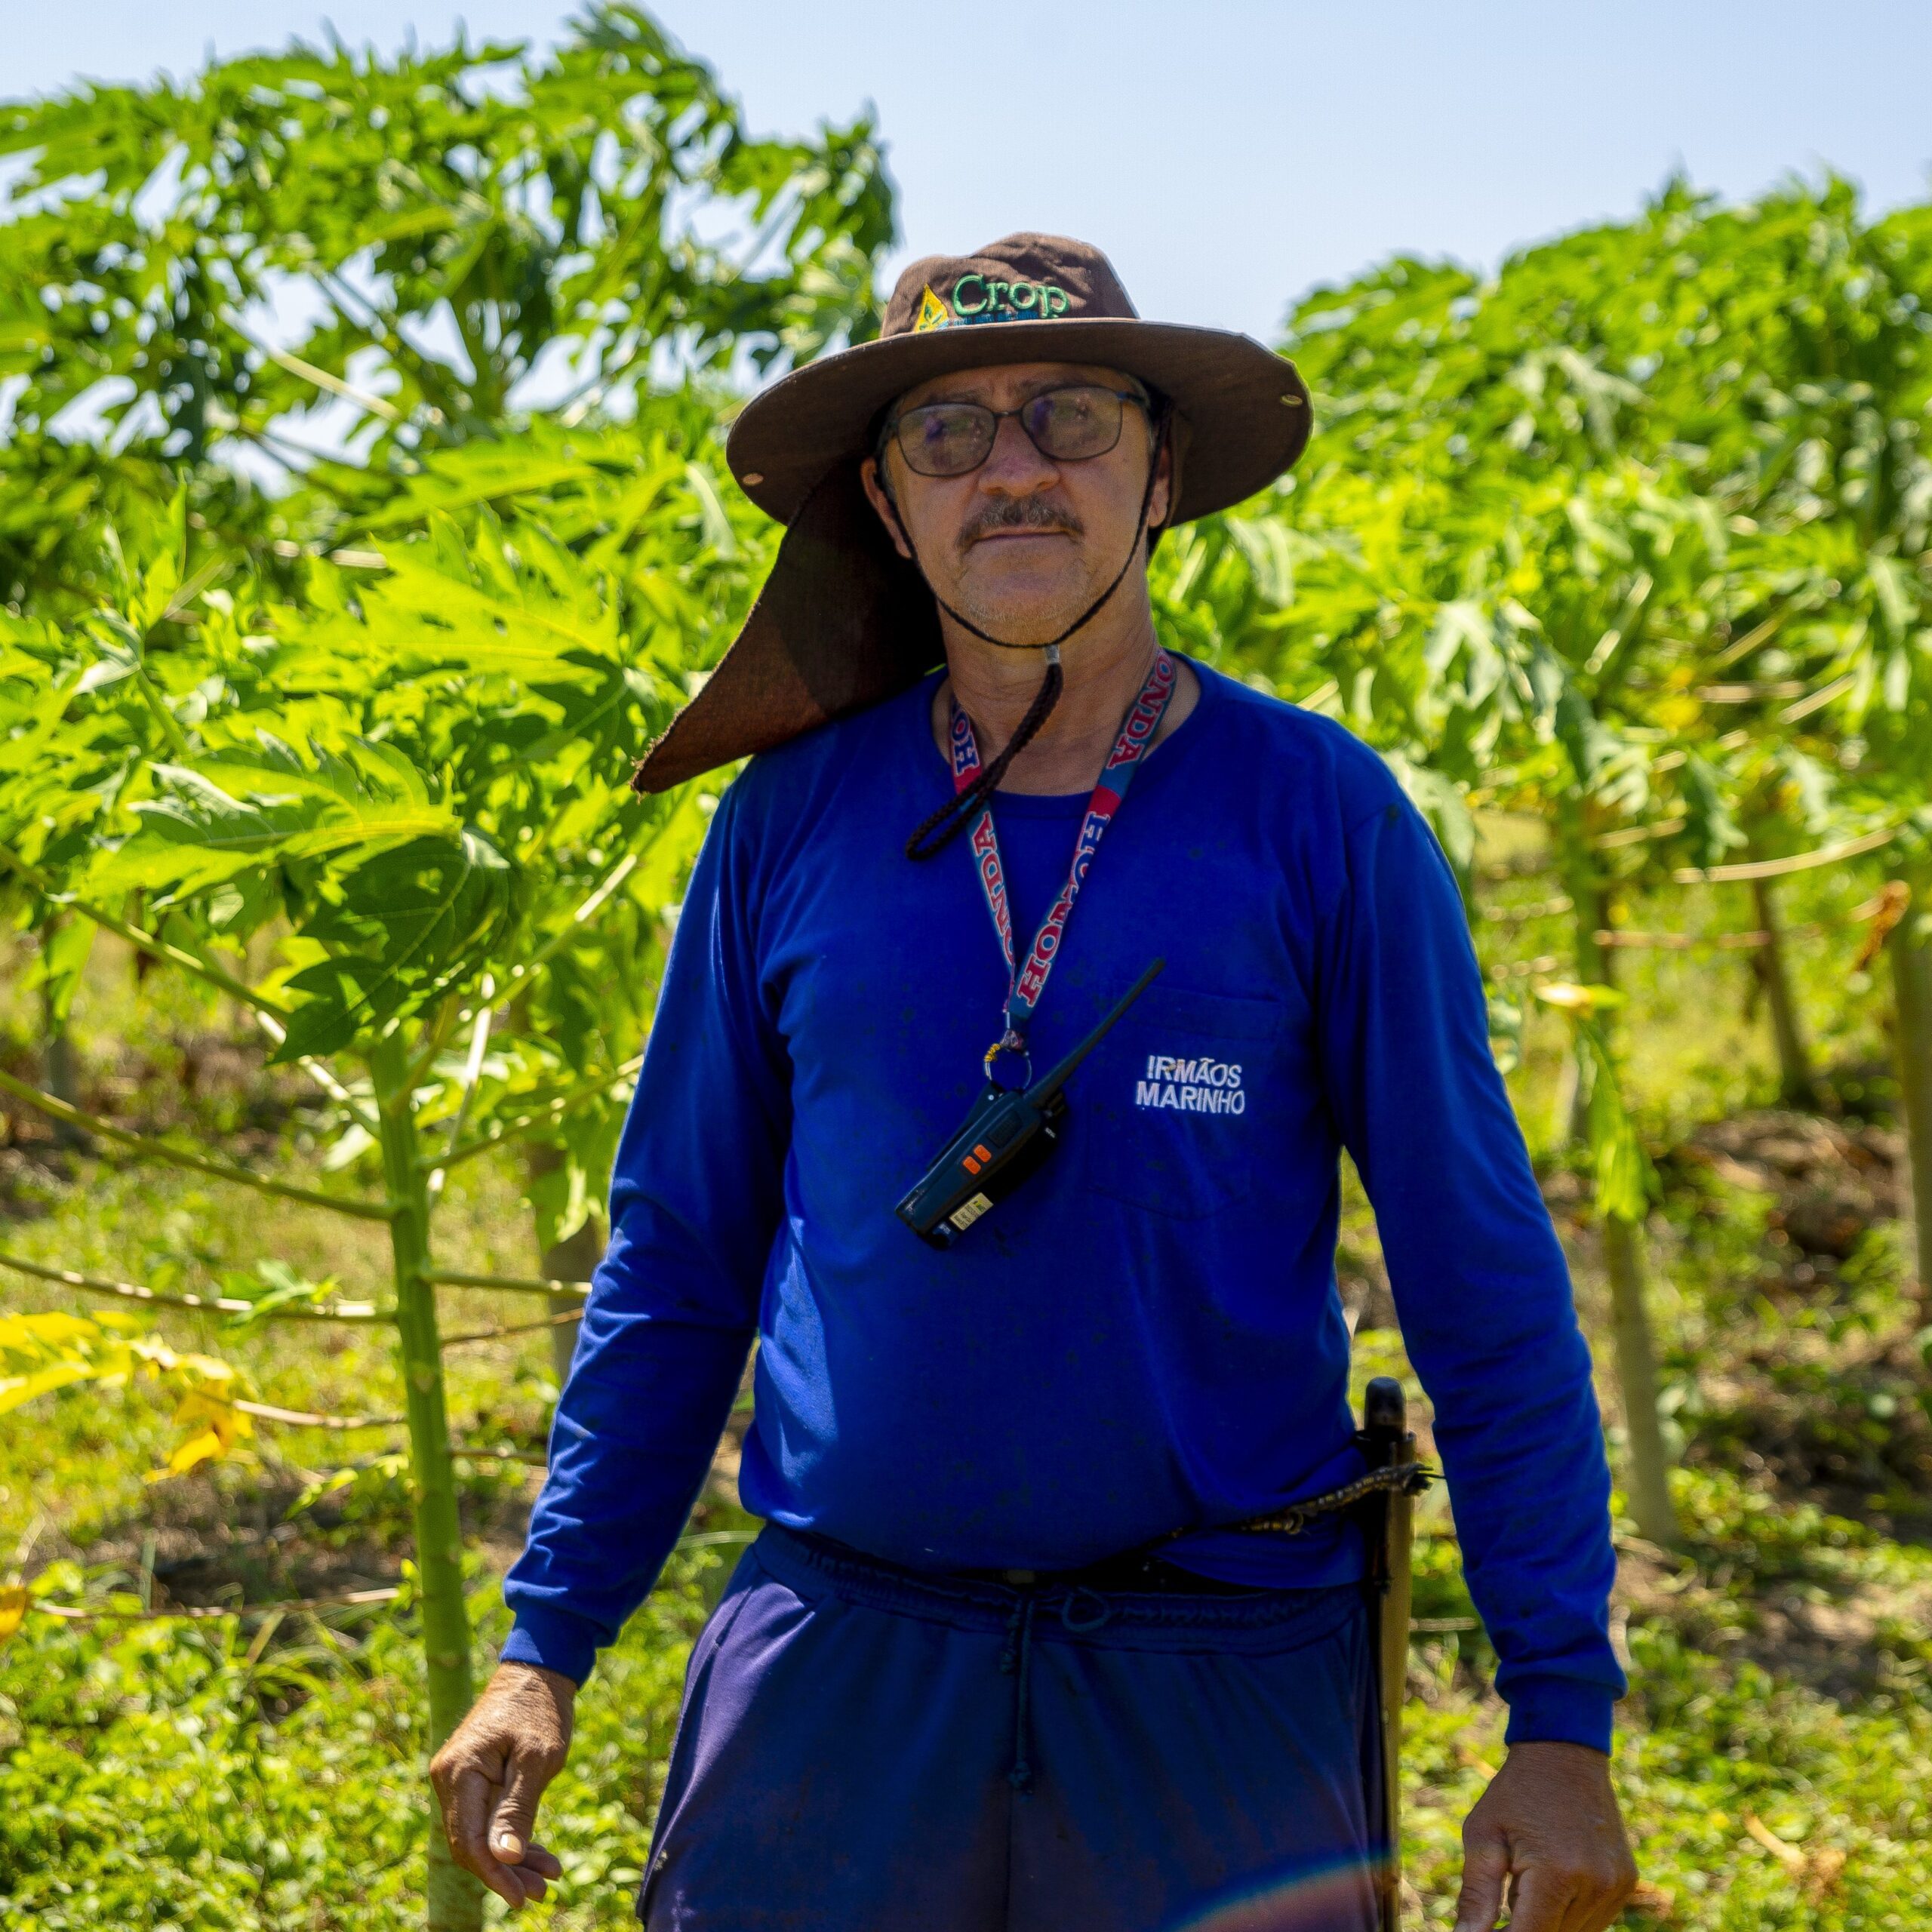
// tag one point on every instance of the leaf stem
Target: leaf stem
(145, 1149)
(472, 1071)
(498, 1132)
(170, 724)
(309, 373)
(143, 941)
(308, 1419)
(569, 1315)
(582, 916)
(1802, 862)
(433, 1037)
(341, 1311)
(516, 1284)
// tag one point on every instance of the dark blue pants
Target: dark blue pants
(864, 1749)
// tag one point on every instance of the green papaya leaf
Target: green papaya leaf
(245, 810)
(408, 923)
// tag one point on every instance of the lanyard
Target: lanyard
(1026, 982)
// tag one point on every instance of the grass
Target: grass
(207, 1777)
(263, 1770)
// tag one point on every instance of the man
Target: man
(1003, 1657)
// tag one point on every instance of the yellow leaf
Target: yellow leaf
(12, 1607)
(56, 1327)
(16, 1389)
(228, 1422)
(205, 1447)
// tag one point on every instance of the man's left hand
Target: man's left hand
(1548, 1830)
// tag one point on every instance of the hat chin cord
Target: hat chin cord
(938, 830)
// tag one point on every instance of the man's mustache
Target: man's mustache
(1020, 513)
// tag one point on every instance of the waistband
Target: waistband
(1257, 1622)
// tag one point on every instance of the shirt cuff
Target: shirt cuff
(554, 1639)
(1559, 1710)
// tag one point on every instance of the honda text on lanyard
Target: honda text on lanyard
(1012, 1129)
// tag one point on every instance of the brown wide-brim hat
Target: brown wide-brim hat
(843, 620)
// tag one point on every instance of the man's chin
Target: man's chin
(1024, 625)
(1020, 606)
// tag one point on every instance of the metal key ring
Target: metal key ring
(1006, 1047)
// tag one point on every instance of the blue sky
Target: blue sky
(1228, 154)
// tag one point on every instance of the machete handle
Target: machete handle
(1385, 1441)
(1385, 1416)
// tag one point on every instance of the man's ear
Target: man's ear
(880, 497)
(1160, 498)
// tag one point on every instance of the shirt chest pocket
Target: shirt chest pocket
(1169, 1112)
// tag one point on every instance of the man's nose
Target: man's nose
(1014, 467)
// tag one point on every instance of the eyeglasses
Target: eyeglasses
(1066, 425)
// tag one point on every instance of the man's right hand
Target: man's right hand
(490, 1773)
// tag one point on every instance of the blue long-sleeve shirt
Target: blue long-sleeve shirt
(1147, 1336)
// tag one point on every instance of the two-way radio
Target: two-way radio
(1003, 1140)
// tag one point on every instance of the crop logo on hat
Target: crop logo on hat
(979, 298)
(934, 314)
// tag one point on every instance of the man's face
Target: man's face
(1023, 544)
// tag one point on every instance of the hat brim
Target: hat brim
(1247, 409)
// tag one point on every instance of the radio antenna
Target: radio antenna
(1050, 1084)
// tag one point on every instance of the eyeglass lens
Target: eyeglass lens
(1067, 425)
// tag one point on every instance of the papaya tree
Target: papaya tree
(1623, 1185)
(1511, 563)
(1823, 425)
(600, 203)
(596, 217)
(406, 782)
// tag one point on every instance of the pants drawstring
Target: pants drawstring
(1079, 1627)
(1009, 1658)
(1016, 1661)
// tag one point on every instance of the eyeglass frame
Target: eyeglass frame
(1149, 406)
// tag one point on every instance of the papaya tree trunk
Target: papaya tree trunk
(1909, 945)
(571, 1260)
(61, 1076)
(455, 1898)
(1797, 1085)
(60, 1062)
(1649, 1485)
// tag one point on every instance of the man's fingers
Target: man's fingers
(545, 1864)
(1540, 1901)
(531, 1770)
(1485, 1865)
(466, 1815)
(538, 1870)
(467, 1818)
(1598, 1898)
